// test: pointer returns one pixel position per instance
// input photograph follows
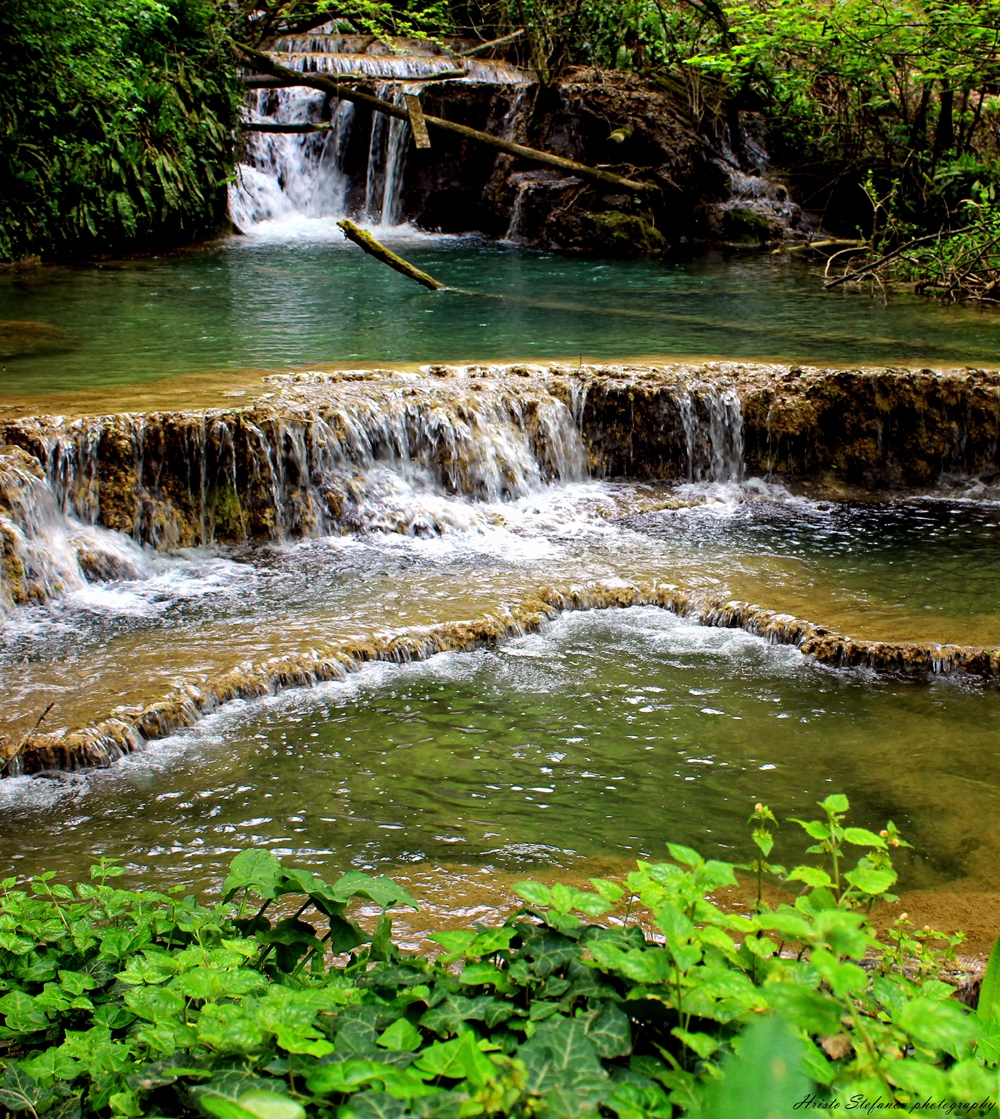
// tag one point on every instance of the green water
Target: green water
(606, 737)
(277, 304)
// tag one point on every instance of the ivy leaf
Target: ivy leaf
(22, 1012)
(401, 1035)
(610, 1032)
(19, 1091)
(345, 935)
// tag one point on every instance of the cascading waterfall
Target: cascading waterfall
(324, 454)
(714, 444)
(289, 175)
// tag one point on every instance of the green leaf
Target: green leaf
(816, 828)
(19, 1091)
(862, 837)
(764, 1081)
(382, 947)
(703, 1044)
(383, 891)
(835, 803)
(610, 891)
(870, 881)
(610, 1032)
(454, 943)
(401, 1035)
(345, 935)
(269, 1105)
(811, 875)
(684, 855)
(989, 994)
(809, 1009)
(22, 1012)
(534, 893)
(211, 984)
(257, 869)
(460, 1059)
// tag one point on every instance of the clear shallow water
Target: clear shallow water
(601, 739)
(901, 571)
(298, 295)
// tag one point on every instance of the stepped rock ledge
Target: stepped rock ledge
(81, 497)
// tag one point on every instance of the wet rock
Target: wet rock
(127, 730)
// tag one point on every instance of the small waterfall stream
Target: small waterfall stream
(288, 175)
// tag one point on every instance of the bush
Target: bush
(138, 1003)
(117, 122)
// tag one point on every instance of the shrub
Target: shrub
(140, 1003)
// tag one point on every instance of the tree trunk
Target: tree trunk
(363, 239)
(330, 85)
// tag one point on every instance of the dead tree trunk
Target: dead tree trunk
(330, 85)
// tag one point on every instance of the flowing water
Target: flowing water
(572, 750)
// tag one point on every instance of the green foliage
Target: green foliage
(118, 1003)
(117, 123)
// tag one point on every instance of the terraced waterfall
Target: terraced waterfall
(263, 623)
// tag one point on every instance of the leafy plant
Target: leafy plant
(276, 1003)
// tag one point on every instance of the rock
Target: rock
(741, 224)
(617, 235)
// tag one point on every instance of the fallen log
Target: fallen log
(363, 239)
(492, 43)
(329, 84)
(277, 126)
(260, 81)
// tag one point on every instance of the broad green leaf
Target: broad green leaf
(402, 1035)
(703, 1044)
(765, 1081)
(212, 984)
(989, 994)
(19, 1091)
(610, 1032)
(534, 893)
(684, 855)
(807, 1008)
(816, 828)
(938, 1025)
(811, 875)
(870, 881)
(345, 935)
(23, 1013)
(269, 1105)
(256, 869)
(460, 1059)
(835, 803)
(381, 946)
(383, 891)
(52, 1064)
(862, 837)
(454, 943)
(610, 891)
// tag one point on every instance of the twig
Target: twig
(862, 272)
(24, 741)
(492, 43)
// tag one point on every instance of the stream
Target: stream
(569, 751)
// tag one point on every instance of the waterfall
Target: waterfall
(304, 175)
(712, 422)
(324, 458)
(43, 551)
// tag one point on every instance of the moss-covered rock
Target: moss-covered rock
(742, 225)
(618, 234)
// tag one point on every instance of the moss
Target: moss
(740, 224)
(618, 234)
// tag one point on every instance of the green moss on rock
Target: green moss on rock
(740, 224)
(618, 234)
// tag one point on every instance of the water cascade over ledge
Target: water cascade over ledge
(371, 453)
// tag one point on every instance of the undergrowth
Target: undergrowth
(122, 1003)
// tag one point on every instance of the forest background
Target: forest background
(120, 119)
